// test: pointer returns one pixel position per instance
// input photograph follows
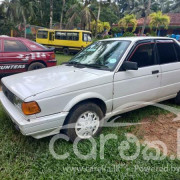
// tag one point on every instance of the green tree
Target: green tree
(51, 14)
(20, 11)
(128, 20)
(158, 19)
(82, 12)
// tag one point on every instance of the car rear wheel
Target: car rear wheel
(66, 51)
(36, 65)
(84, 122)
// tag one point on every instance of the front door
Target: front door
(143, 84)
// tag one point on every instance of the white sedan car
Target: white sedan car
(107, 78)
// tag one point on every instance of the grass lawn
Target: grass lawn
(62, 58)
(27, 158)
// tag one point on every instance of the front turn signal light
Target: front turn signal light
(30, 108)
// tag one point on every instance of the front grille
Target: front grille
(8, 93)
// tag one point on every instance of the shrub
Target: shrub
(128, 34)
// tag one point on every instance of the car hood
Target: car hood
(32, 83)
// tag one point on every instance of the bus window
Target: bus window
(87, 37)
(60, 35)
(72, 36)
(42, 34)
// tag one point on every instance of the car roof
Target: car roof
(63, 30)
(137, 38)
(14, 38)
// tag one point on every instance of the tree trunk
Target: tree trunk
(24, 19)
(51, 14)
(61, 19)
(146, 16)
(98, 17)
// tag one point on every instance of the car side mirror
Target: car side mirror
(127, 65)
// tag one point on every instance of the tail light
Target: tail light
(52, 56)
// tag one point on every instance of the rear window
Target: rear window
(35, 46)
(14, 46)
(42, 34)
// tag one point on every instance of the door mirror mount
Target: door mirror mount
(127, 65)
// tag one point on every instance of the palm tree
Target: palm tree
(158, 19)
(62, 12)
(146, 12)
(81, 11)
(128, 20)
(175, 6)
(19, 10)
(51, 14)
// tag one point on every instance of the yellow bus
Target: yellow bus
(64, 40)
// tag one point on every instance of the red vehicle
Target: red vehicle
(20, 54)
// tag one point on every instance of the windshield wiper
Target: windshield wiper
(75, 64)
(79, 65)
(97, 66)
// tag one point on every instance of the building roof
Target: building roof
(174, 20)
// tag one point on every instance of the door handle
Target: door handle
(155, 72)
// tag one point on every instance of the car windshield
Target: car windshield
(101, 54)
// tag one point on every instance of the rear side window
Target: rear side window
(72, 36)
(144, 55)
(42, 34)
(60, 35)
(14, 46)
(166, 52)
(177, 47)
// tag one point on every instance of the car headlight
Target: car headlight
(17, 102)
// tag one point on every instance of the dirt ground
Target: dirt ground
(160, 128)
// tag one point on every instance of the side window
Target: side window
(144, 55)
(14, 46)
(166, 52)
(177, 47)
(60, 35)
(72, 36)
(42, 35)
(87, 37)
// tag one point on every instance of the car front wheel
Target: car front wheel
(84, 122)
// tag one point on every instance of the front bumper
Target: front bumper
(38, 127)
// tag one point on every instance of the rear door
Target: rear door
(169, 60)
(15, 56)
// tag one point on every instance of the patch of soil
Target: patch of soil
(160, 128)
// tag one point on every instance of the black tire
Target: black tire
(76, 113)
(66, 51)
(177, 99)
(36, 65)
